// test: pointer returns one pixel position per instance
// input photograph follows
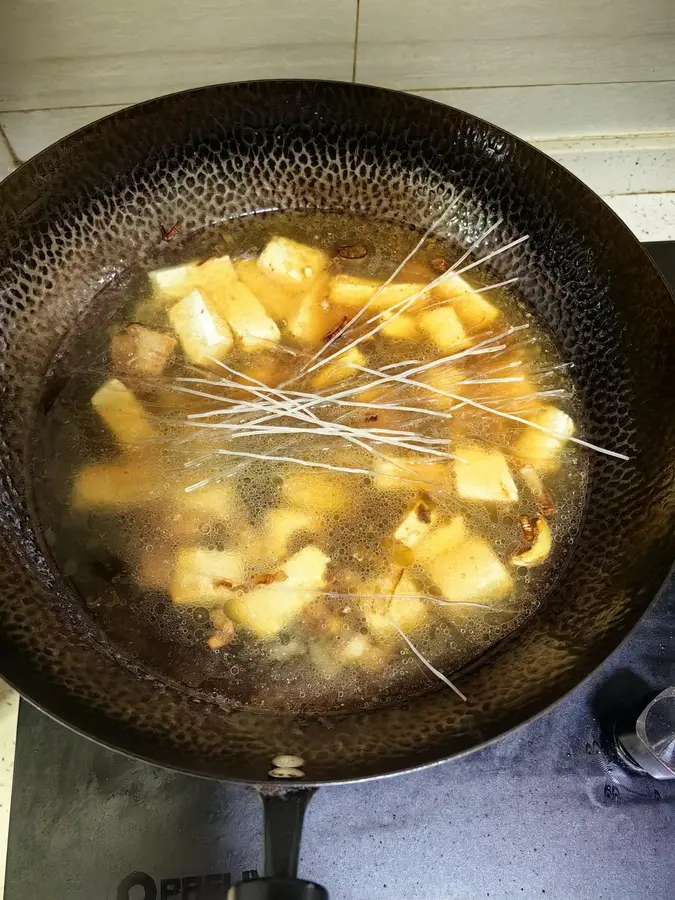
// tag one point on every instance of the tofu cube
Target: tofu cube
(400, 328)
(204, 577)
(408, 474)
(214, 276)
(474, 311)
(189, 513)
(124, 483)
(289, 262)
(313, 318)
(122, 413)
(316, 492)
(471, 571)
(483, 474)
(279, 300)
(355, 293)
(282, 525)
(202, 333)
(339, 369)
(540, 450)
(443, 540)
(172, 283)
(139, 350)
(246, 316)
(417, 523)
(443, 327)
(408, 611)
(360, 651)
(268, 609)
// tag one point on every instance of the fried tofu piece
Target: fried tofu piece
(542, 451)
(246, 316)
(403, 607)
(400, 328)
(268, 609)
(189, 513)
(474, 311)
(289, 262)
(205, 577)
(313, 317)
(443, 327)
(172, 283)
(540, 549)
(408, 474)
(214, 275)
(483, 474)
(442, 540)
(360, 651)
(124, 483)
(122, 413)
(281, 525)
(203, 334)
(470, 571)
(316, 491)
(418, 521)
(354, 292)
(280, 300)
(139, 350)
(341, 368)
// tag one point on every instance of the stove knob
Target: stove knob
(650, 745)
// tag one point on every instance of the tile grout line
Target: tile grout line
(356, 40)
(14, 159)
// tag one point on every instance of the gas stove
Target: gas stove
(561, 809)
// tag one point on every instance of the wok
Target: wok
(87, 207)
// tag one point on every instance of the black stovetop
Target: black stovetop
(546, 811)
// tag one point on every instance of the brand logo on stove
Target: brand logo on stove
(141, 886)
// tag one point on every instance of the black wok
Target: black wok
(88, 206)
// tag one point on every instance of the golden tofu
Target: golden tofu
(122, 413)
(141, 351)
(400, 328)
(202, 333)
(172, 283)
(442, 541)
(483, 474)
(353, 292)
(281, 525)
(268, 609)
(124, 483)
(408, 474)
(316, 491)
(292, 263)
(339, 369)
(190, 513)
(246, 316)
(204, 577)
(403, 607)
(312, 319)
(278, 299)
(540, 450)
(443, 327)
(360, 651)
(214, 276)
(419, 520)
(474, 311)
(471, 571)
(540, 549)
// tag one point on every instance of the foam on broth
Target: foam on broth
(336, 651)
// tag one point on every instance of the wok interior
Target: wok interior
(90, 206)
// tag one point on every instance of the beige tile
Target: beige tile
(72, 53)
(463, 43)
(651, 217)
(569, 110)
(9, 708)
(30, 132)
(6, 161)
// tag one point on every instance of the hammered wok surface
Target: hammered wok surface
(94, 203)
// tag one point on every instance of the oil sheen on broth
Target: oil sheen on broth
(282, 586)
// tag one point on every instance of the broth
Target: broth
(253, 515)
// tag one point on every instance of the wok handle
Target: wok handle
(283, 816)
